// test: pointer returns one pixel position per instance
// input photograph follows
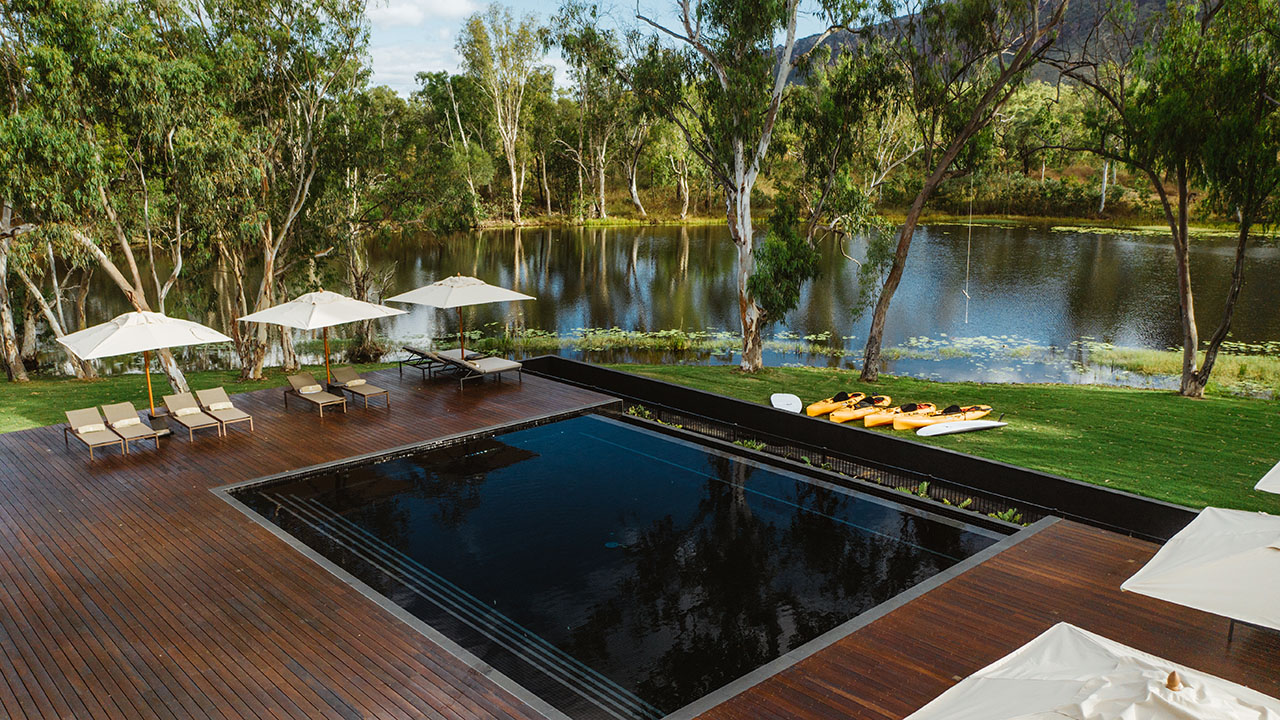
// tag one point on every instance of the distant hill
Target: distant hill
(1081, 16)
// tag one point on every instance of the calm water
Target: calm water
(1034, 293)
(612, 571)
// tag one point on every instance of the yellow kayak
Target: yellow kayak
(822, 407)
(860, 409)
(884, 417)
(950, 414)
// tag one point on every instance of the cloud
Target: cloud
(397, 65)
(415, 13)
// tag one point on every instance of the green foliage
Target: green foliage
(784, 262)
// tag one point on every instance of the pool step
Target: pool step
(607, 696)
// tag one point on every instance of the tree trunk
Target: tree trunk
(738, 211)
(82, 368)
(515, 189)
(682, 189)
(633, 170)
(1181, 247)
(8, 333)
(875, 337)
(546, 188)
(600, 176)
(1201, 379)
(1106, 168)
(30, 348)
(81, 306)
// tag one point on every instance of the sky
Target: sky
(412, 36)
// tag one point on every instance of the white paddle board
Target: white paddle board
(1271, 481)
(786, 401)
(958, 426)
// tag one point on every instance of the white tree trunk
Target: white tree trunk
(1106, 167)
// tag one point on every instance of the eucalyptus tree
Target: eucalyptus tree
(12, 94)
(1188, 97)
(286, 62)
(723, 85)
(963, 60)
(502, 53)
(594, 54)
(451, 108)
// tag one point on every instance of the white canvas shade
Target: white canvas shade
(321, 310)
(139, 332)
(1271, 481)
(458, 292)
(1225, 562)
(1069, 673)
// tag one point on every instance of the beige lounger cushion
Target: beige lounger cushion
(185, 411)
(126, 422)
(493, 365)
(90, 429)
(310, 389)
(229, 415)
(355, 383)
(221, 406)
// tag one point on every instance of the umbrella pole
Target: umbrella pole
(462, 339)
(146, 364)
(327, 377)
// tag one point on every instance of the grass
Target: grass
(1149, 442)
(43, 402)
(1231, 372)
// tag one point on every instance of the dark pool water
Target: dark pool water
(610, 570)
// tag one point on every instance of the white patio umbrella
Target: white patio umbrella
(1225, 562)
(139, 332)
(1271, 481)
(321, 310)
(458, 292)
(1072, 673)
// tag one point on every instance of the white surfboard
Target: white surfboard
(1271, 481)
(786, 401)
(958, 426)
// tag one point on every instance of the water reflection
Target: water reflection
(1028, 286)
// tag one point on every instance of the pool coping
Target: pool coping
(467, 657)
(689, 711)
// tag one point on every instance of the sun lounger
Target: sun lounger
(184, 410)
(217, 405)
(305, 386)
(348, 380)
(123, 420)
(88, 427)
(483, 367)
(425, 360)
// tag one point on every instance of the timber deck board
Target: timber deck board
(1066, 572)
(128, 590)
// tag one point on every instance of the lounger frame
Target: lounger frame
(191, 428)
(126, 408)
(358, 391)
(69, 430)
(318, 403)
(465, 371)
(200, 398)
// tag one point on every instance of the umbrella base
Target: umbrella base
(159, 422)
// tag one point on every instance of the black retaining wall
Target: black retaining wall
(1040, 493)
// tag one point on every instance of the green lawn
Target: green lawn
(43, 402)
(1154, 443)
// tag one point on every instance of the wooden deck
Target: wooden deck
(1067, 572)
(128, 590)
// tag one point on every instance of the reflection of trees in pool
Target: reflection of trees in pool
(736, 585)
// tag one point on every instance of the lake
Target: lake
(1035, 296)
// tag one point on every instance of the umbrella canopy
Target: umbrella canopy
(139, 332)
(319, 311)
(1225, 562)
(458, 292)
(322, 309)
(1071, 673)
(1271, 481)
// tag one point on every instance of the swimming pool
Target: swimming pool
(610, 570)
